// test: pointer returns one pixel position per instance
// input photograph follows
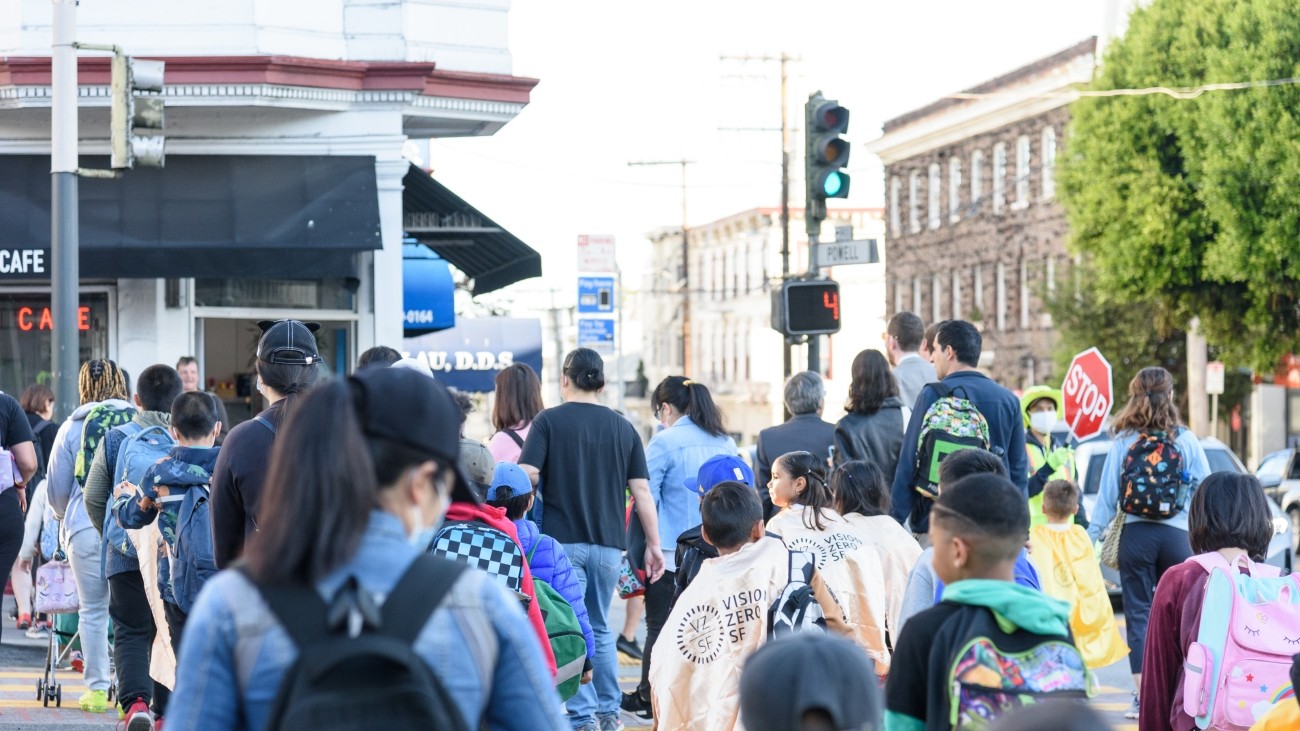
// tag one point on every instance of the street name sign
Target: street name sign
(840, 253)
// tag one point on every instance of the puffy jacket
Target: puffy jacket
(551, 564)
(692, 552)
(876, 437)
(65, 493)
(496, 517)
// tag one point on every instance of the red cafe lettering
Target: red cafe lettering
(29, 318)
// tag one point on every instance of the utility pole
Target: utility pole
(686, 261)
(64, 244)
(785, 60)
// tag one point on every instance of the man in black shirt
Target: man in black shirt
(17, 465)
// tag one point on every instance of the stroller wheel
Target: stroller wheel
(40, 689)
(58, 696)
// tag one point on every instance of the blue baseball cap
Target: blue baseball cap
(722, 468)
(512, 476)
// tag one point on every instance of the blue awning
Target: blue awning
(428, 291)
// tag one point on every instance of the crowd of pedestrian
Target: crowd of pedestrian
(349, 558)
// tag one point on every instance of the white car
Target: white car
(1090, 456)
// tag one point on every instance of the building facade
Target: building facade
(294, 173)
(975, 228)
(735, 262)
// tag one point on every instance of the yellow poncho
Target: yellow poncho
(1068, 570)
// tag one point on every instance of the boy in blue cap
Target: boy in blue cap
(513, 491)
(692, 549)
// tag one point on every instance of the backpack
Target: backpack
(564, 632)
(336, 668)
(99, 421)
(986, 680)
(796, 608)
(1151, 479)
(482, 547)
(1240, 664)
(952, 423)
(141, 449)
(193, 560)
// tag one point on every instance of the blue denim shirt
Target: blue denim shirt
(674, 456)
(478, 643)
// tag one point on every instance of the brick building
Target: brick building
(974, 227)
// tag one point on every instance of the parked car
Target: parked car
(1090, 456)
(1279, 473)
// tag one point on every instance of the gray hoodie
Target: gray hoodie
(63, 489)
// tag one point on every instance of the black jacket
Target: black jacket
(237, 484)
(875, 437)
(692, 552)
(802, 433)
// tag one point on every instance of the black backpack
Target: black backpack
(796, 608)
(334, 669)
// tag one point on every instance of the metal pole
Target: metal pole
(1214, 415)
(814, 341)
(618, 302)
(686, 282)
(64, 233)
(788, 363)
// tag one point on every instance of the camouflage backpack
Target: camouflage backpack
(99, 421)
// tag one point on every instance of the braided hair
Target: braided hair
(816, 495)
(99, 380)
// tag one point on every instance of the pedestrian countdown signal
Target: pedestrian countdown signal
(807, 307)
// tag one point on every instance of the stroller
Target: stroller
(56, 593)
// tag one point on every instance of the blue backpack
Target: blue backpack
(193, 560)
(141, 449)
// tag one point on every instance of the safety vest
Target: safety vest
(1067, 569)
(719, 620)
(850, 565)
(1037, 458)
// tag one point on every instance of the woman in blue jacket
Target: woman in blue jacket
(361, 473)
(512, 491)
(1148, 546)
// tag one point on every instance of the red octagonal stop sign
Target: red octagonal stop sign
(1088, 394)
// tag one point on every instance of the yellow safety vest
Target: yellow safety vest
(1038, 458)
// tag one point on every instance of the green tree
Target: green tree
(1185, 207)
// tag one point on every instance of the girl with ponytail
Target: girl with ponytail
(845, 551)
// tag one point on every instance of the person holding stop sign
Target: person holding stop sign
(1152, 469)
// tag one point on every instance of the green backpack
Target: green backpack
(99, 421)
(565, 634)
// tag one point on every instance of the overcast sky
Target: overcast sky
(624, 82)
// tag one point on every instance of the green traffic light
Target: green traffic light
(832, 185)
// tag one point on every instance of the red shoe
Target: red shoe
(24, 621)
(138, 717)
(77, 662)
(158, 723)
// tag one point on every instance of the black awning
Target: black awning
(238, 216)
(438, 218)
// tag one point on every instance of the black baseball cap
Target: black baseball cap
(412, 409)
(810, 671)
(288, 342)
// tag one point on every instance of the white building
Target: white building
(734, 264)
(286, 192)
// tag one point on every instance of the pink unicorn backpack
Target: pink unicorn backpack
(1239, 667)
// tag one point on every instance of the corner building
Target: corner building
(975, 230)
(297, 155)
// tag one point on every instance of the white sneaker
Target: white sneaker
(1132, 712)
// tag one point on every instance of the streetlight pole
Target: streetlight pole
(64, 233)
(686, 264)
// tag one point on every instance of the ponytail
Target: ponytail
(817, 494)
(692, 399)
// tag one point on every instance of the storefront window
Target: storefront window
(306, 294)
(27, 334)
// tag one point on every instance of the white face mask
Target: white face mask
(1043, 421)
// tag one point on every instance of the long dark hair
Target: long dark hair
(518, 396)
(817, 495)
(692, 399)
(859, 487)
(291, 381)
(872, 383)
(1150, 404)
(320, 489)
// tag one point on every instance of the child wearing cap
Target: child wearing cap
(692, 549)
(511, 490)
(1067, 567)
(722, 617)
(990, 645)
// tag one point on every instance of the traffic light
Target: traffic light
(133, 114)
(826, 152)
(806, 307)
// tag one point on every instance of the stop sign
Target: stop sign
(1088, 394)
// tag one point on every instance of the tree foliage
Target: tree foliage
(1188, 207)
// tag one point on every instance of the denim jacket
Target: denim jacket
(674, 456)
(478, 643)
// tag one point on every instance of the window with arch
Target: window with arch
(1049, 162)
(976, 178)
(895, 214)
(935, 195)
(954, 189)
(914, 202)
(999, 177)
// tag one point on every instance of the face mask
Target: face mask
(422, 537)
(1043, 421)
